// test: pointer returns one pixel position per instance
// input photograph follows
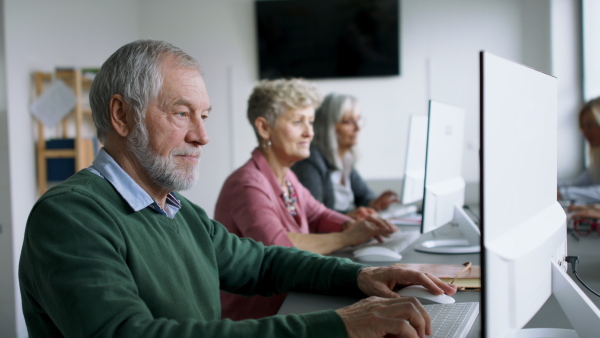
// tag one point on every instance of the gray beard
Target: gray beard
(163, 171)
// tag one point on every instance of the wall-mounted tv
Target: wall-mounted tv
(328, 38)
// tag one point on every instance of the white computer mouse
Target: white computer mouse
(421, 292)
(376, 254)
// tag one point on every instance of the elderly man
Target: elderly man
(115, 251)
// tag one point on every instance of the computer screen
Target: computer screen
(523, 226)
(444, 192)
(414, 169)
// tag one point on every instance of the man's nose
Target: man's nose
(197, 132)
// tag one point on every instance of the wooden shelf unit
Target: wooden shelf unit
(83, 150)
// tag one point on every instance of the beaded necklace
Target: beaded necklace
(290, 199)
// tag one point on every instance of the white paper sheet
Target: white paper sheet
(54, 103)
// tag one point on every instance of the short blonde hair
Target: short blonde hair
(272, 98)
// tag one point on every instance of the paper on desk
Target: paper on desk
(54, 103)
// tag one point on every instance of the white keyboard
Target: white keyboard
(397, 242)
(400, 240)
(452, 320)
(398, 210)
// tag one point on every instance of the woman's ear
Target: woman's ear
(263, 128)
(118, 115)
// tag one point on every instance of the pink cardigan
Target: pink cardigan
(251, 205)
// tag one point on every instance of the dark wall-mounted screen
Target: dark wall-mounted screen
(328, 38)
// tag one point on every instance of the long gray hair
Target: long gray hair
(135, 72)
(330, 113)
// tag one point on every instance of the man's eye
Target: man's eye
(182, 114)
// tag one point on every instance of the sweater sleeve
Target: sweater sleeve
(362, 193)
(247, 267)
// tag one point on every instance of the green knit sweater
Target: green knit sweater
(90, 266)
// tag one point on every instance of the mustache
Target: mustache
(187, 151)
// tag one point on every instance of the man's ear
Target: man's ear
(263, 128)
(118, 115)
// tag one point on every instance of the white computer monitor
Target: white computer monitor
(444, 192)
(523, 226)
(414, 170)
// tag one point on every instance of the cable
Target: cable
(574, 260)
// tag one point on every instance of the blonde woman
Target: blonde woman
(586, 188)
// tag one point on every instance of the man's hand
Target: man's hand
(376, 317)
(383, 281)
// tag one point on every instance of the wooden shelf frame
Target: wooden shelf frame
(82, 151)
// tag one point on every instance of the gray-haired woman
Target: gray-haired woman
(329, 172)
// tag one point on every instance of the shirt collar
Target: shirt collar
(137, 198)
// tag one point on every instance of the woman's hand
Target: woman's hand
(357, 232)
(361, 213)
(384, 200)
(585, 211)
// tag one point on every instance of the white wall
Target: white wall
(566, 66)
(591, 38)
(439, 60)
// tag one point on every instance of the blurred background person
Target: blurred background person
(264, 200)
(586, 187)
(329, 172)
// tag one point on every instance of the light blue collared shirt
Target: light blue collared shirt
(137, 198)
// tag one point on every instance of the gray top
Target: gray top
(315, 174)
(582, 189)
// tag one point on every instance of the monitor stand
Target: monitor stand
(580, 310)
(469, 244)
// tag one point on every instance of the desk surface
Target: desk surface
(551, 314)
